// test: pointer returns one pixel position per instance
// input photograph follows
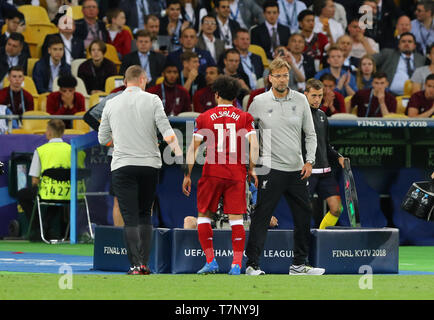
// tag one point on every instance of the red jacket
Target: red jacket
(122, 42)
(55, 104)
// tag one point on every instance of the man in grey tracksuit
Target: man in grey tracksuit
(130, 121)
(282, 115)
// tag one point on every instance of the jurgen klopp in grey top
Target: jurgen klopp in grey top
(286, 118)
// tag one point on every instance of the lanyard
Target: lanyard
(163, 95)
(23, 102)
(235, 16)
(294, 12)
(193, 85)
(371, 95)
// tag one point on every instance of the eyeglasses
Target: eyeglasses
(211, 23)
(279, 76)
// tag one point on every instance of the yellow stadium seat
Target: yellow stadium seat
(80, 125)
(395, 115)
(354, 111)
(113, 82)
(260, 52)
(159, 80)
(30, 64)
(401, 103)
(34, 14)
(96, 98)
(34, 36)
(75, 12)
(347, 100)
(42, 101)
(28, 85)
(73, 131)
(4, 28)
(34, 126)
(408, 87)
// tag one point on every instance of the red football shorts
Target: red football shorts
(211, 189)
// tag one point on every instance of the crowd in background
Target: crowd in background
(375, 61)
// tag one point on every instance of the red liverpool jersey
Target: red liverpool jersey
(225, 130)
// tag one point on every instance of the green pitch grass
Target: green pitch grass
(216, 287)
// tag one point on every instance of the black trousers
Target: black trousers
(135, 188)
(270, 189)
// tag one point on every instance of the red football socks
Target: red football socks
(238, 240)
(205, 233)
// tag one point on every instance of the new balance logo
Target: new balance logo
(238, 239)
(264, 184)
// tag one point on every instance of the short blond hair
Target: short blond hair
(313, 84)
(279, 63)
(133, 73)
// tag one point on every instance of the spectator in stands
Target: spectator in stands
(137, 10)
(346, 82)
(53, 6)
(300, 63)
(399, 64)
(13, 54)
(160, 44)
(74, 47)
(17, 99)
(90, 28)
(324, 11)
(119, 37)
(193, 11)
(97, 69)
(188, 43)
(289, 11)
(5, 9)
(226, 26)
(315, 42)
(333, 102)
(174, 97)
(173, 24)
(403, 25)
(384, 14)
(150, 61)
(189, 77)
(376, 101)
(270, 34)
(364, 73)
(421, 104)
(361, 44)
(51, 66)
(420, 74)
(423, 26)
(66, 101)
(345, 43)
(204, 99)
(208, 41)
(246, 12)
(14, 23)
(250, 63)
(232, 67)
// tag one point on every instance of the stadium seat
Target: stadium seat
(113, 82)
(33, 126)
(95, 98)
(80, 125)
(401, 103)
(188, 114)
(79, 88)
(75, 64)
(260, 52)
(354, 111)
(408, 87)
(42, 101)
(260, 83)
(76, 13)
(30, 64)
(34, 14)
(395, 115)
(34, 36)
(347, 100)
(159, 80)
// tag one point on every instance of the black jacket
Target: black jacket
(261, 37)
(81, 30)
(77, 46)
(325, 155)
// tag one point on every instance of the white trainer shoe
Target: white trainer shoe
(254, 271)
(304, 269)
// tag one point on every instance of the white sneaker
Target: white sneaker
(254, 271)
(304, 269)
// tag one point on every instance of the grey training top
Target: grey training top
(131, 119)
(283, 120)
